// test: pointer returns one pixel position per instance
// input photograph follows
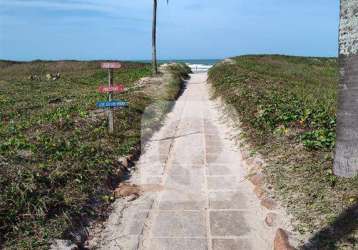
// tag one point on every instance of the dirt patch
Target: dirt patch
(127, 190)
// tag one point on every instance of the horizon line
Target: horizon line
(148, 60)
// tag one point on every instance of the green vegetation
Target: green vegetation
(287, 107)
(58, 164)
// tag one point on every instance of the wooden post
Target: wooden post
(110, 112)
(109, 104)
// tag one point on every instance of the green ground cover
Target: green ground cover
(57, 160)
(287, 107)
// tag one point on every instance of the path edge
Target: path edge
(285, 237)
(82, 235)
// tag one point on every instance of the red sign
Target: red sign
(119, 88)
(111, 65)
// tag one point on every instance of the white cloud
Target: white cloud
(106, 6)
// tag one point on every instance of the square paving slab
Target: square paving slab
(187, 170)
(179, 224)
(223, 182)
(181, 200)
(220, 157)
(221, 169)
(216, 149)
(228, 223)
(231, 244)
(185, 183)
(178, 244)
(227, 200)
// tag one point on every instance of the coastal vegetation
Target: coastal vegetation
(58, 164)
(287, 110)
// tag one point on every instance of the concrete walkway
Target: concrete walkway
(195, 195)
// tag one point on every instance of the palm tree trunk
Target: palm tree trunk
(346, 154)
(154, 38)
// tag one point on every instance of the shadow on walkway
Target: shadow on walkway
(341, 229)
(176, 137)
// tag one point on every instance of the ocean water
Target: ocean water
(194, 61)
(196, 65)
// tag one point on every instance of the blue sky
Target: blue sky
(187, 29)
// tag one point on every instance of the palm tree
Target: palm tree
(154, 37)
(346, 154)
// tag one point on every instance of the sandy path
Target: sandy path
(196, 195)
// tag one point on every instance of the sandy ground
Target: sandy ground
(195, 195)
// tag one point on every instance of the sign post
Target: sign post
(110, 112)
(118, 88)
